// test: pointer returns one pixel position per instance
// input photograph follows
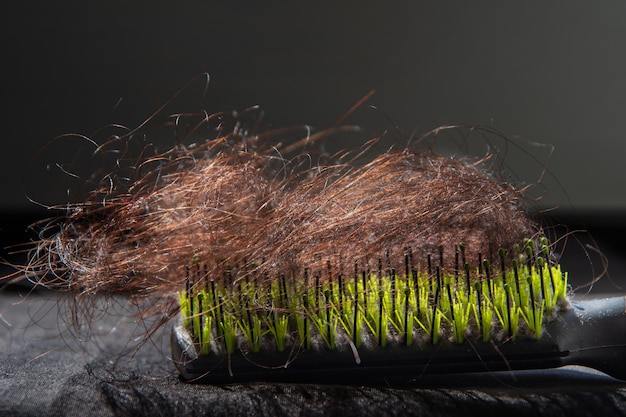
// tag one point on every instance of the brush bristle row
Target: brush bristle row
(374, 307)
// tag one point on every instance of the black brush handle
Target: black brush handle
(590, 333)
(593, 333)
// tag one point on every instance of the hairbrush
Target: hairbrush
(281, 268)
(395, 325)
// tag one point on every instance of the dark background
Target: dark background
(548, 72)
(552, 73)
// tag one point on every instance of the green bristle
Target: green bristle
(302, 322)
(185, 311)
(326, 321)
(383, 306)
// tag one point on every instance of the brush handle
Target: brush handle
(593, 334)
(590, 333)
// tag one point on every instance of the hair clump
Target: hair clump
(236, 206)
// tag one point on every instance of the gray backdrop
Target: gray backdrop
(541, 72)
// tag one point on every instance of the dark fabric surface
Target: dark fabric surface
(46, 371)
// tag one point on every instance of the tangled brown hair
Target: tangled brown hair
(243, 202)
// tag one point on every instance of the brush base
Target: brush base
(400, 363)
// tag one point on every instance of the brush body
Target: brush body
(590, 333)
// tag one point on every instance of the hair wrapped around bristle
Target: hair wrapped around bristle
(253, 246)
